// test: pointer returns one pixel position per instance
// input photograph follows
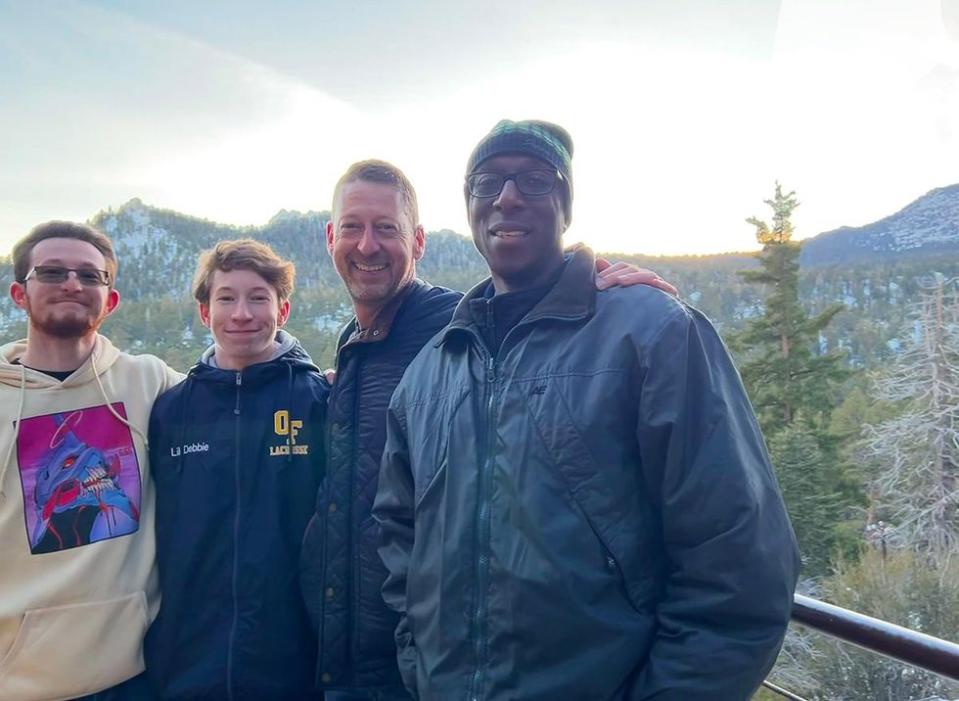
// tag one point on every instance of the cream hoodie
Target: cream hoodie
(78, 584)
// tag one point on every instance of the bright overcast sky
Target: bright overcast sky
(683, 112)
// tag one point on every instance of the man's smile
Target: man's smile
(508, 230)
(367, 268)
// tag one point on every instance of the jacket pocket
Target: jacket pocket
(73, 650)
(605, 492)
(433, 444)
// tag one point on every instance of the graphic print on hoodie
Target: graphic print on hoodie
(80, 478)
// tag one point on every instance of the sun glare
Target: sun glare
(853, 106)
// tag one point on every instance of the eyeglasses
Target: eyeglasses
(56, 274)
(529, 182)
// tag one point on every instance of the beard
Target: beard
(66, 325)
(66, 328)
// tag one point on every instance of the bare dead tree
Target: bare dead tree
(914, 458)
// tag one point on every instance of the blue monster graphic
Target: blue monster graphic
(77, 495)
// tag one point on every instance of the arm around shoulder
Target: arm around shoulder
(171, 377)
(155, 370)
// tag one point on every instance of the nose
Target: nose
(509, 197)
(368, 243)
(72, 283)
(241, 312)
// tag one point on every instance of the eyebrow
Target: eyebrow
(227, 288)
(355, 218)
(60, 261)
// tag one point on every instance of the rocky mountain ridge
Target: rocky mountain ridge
(875, 271)
(928, 225)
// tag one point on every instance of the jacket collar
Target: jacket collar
(572, 298)
(383, 322)
(291, 358)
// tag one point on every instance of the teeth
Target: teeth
(510, 234)
(370, 268)
(98, 481)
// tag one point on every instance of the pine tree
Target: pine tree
(816, 507)
(794, 388)
(787, 379)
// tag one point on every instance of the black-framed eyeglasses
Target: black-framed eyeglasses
(540, 181)
(57, 274)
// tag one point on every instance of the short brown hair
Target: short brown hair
(23, 249)
(243, 254)
(374, 171)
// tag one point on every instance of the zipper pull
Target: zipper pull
(490, 370)
(239, 381)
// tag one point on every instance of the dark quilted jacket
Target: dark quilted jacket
(341, 572)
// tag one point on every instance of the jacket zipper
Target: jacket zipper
(323, 657)
(236, 540)
(483, 527)
(352, 565)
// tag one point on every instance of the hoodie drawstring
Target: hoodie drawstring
(106, 399)
(16, 428)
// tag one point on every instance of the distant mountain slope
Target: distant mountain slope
(930, 225)
(158, 249)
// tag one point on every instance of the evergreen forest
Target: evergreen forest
(851, 363)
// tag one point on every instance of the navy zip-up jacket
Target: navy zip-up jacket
(342, 574)
(237, 459)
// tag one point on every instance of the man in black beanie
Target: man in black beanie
(538, 156)
(575, 499)
(375, 239)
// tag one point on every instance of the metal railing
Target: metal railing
(918, 649)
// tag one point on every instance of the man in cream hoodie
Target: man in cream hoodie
(78, 584)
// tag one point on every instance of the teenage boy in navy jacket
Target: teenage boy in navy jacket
(238, 460)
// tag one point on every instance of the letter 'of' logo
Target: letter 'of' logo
(284, 426)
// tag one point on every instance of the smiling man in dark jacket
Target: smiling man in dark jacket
(238, 457)
(375, 239)
(575, 499)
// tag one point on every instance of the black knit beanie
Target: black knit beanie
(532, 137)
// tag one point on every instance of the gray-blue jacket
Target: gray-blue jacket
(588, 514)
